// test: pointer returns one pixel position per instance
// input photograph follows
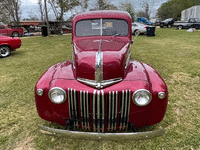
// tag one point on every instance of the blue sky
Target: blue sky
(30, 7)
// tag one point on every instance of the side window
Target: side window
(2, 27)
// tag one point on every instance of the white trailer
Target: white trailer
(192, 12)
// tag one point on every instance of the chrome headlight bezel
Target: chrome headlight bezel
(140, 91)
(61, 90)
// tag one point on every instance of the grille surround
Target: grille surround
(99, 111)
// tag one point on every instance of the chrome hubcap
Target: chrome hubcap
(4, 51)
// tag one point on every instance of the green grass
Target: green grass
(175, 54)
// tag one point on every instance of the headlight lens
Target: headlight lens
(57, 95)
(39, 92)
(142, 97)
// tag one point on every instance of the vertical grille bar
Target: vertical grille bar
(116, 99)
(109, 115)
(84, 111)
(98, 111)
(69, 102)
(88, 119)
(81, 103)
(113, 107)
(73, 109)
(125, 114)
(75, 105)
(129, 98)
(94, 118)
(122, 111)
(103, 110)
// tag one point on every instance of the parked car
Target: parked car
(143, 20)
(167, 22)
(155, 21)
(138, 28)
(101, 90)
(8, 44)
(191, 23)
(4, 30)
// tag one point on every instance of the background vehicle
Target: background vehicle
(155, 21)
(143, 20)
(191, 23)
(4, 30)
(8, 44)
(102, 89)
(167, 22)
(138, 28)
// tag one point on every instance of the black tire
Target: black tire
(15, 34)
(4, 51)
(161, 25)
(137, 32)
(179, 27)
(169, 25)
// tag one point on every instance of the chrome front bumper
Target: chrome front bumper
(102, 136)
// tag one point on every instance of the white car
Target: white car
(138, 28)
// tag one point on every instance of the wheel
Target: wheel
(169, 25)
(137, 32)
(161, 25)
(179, 27)
(61, 32)
(15, 34)
(5, 51)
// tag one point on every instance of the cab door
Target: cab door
(3, 31)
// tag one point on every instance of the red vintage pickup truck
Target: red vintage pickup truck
(4, 30)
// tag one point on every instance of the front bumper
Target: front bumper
(102, 136)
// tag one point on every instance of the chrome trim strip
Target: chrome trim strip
(113, 107)
(109, 109)
(99, 66)
(75, 105)
(81, 101)
(101, 84)
(125, 113)
(116, 99)
(102, 136)
(88, 118)
(122, 111)
(69, 99)
(84, 111)
(103, 112)
(98, 111)
(94, 121)
(129, 98)
(72, 102)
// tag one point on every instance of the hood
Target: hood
(110, 54)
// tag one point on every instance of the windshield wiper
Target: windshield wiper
(115, 34)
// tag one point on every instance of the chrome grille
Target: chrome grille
(99, 111)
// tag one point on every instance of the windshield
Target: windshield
(102, 27)
(169, 19)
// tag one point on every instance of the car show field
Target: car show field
(175, 54)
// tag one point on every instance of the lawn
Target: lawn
(175, 54)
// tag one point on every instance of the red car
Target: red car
(101, 92)
(8, 44)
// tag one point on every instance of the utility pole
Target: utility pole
(47, 20)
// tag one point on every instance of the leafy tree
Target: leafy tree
(128, 6)
(173, 8)
(12, 7)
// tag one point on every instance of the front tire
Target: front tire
(5, 51)
(169, 26)
(15, 34)
(137, 32)
(179, 27)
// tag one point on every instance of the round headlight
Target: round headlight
(142, 97)
(57, 95)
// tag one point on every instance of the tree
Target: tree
(173, 8)
(128, 6)
(47, 18)
(145, 6)
(12, 7)
(41, 11)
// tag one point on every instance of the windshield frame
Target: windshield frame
(101, 27)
